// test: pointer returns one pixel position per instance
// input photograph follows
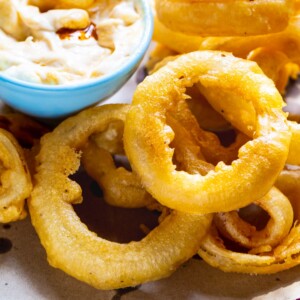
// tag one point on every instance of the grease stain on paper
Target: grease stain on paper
(122, 292)
(5, 245)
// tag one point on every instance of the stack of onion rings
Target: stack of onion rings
(180, 167)
(285, 42)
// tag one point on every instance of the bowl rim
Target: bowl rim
(135, 58)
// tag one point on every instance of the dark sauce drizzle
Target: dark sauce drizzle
(80, 34)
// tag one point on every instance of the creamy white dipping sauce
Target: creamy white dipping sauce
(63, 46)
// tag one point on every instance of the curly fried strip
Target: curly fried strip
(147, 135)
(79, 252)
(206, 116)
(120, 186)
(206, 18)
(15, 179)
(281, 220)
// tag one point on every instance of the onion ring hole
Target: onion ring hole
(115, 224)
(255, 216)
(208, 118)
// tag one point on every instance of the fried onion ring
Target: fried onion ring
(286, 41)
(79, 252)
(15, 179)
(215, 254)
(206, 18)
(245, 234)
(227, 187)
(282, 257)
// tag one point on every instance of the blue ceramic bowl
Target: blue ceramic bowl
(50, 102)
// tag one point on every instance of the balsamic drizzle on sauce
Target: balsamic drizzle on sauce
(80, 34)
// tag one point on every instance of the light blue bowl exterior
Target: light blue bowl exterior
(46, 101)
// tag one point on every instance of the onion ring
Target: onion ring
(215, 254)
(15, 179)
(281, 220)
(286, 41)
(147, 136)
(283, 257)
(206, 18)
(79, 252)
